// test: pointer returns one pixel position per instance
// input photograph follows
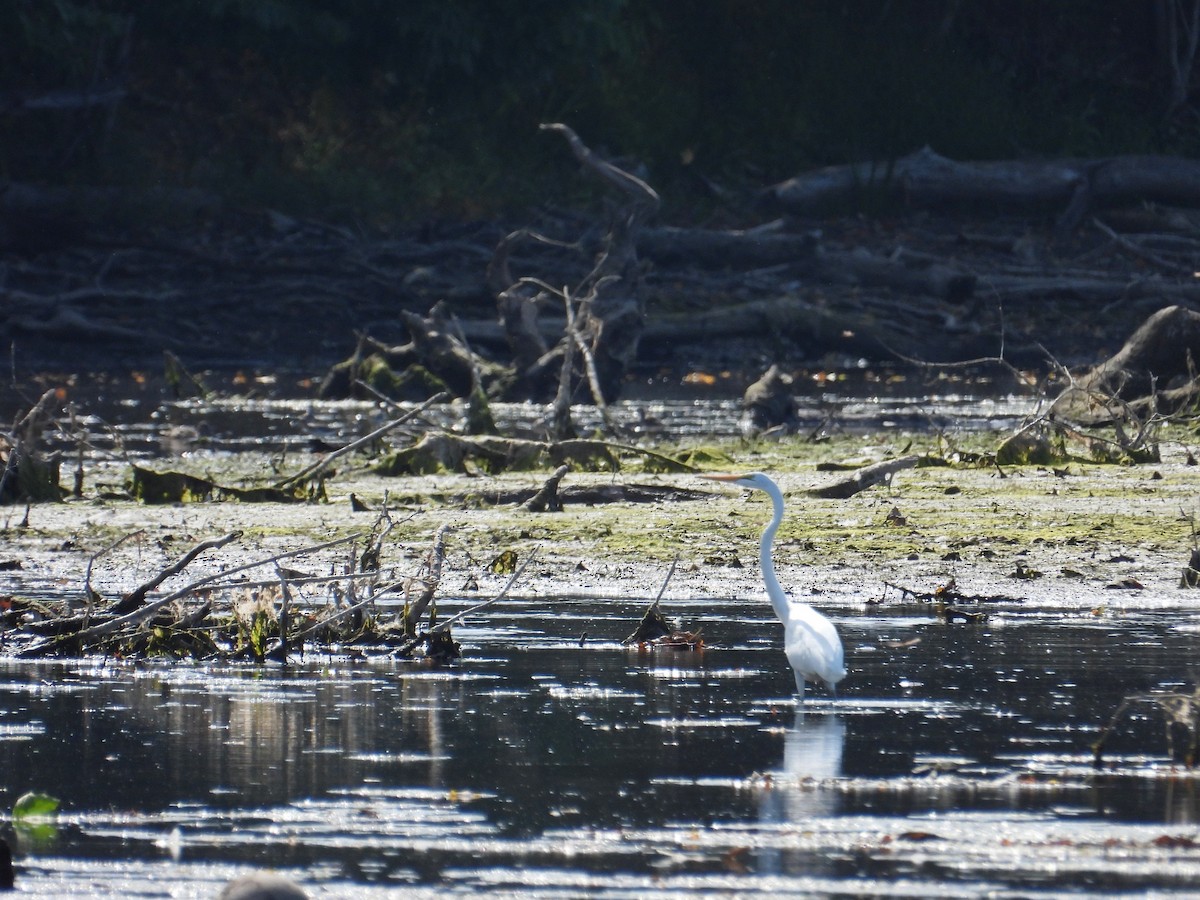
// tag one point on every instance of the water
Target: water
(129, 417)
(954, 762)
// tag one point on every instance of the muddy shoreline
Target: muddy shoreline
(1081, 540)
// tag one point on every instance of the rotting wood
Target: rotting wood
(655, 632)
(262, 618)
(137, 597)
(1157, 370)
(87, 636)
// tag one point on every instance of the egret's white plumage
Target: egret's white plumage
(810, 641)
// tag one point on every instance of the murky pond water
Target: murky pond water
(954, 762)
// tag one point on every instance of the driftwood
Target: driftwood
(1074, 187)
(322, 464)
(867, 476)
(654, 631)
(1156, 371)
(258, 619)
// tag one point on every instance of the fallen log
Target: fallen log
(928, 180)
(1155, 370)
(867, 476)
(710, 248)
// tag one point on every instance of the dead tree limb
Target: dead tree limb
(87, 636)
(137, 597)
(1156, 367)
(433, 578)
(640, 192)
(589, 360)
(458, 617)
(866, 477)
(323, 463)
(614, 316)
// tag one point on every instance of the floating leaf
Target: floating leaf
(33, 804)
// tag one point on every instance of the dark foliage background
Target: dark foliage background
(396, 111)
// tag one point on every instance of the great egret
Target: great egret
(810, 641)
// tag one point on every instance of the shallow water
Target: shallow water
(955, 761)
(131, 417)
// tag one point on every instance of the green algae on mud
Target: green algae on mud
(976, 524)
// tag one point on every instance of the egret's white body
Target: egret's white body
(810, 641)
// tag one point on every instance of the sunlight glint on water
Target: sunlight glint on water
(950, 767)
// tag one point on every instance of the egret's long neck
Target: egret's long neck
(766, 561)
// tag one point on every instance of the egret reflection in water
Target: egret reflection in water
(812, 758)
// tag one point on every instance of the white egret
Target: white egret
(810, 641)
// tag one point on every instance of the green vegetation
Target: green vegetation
(400, 112)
